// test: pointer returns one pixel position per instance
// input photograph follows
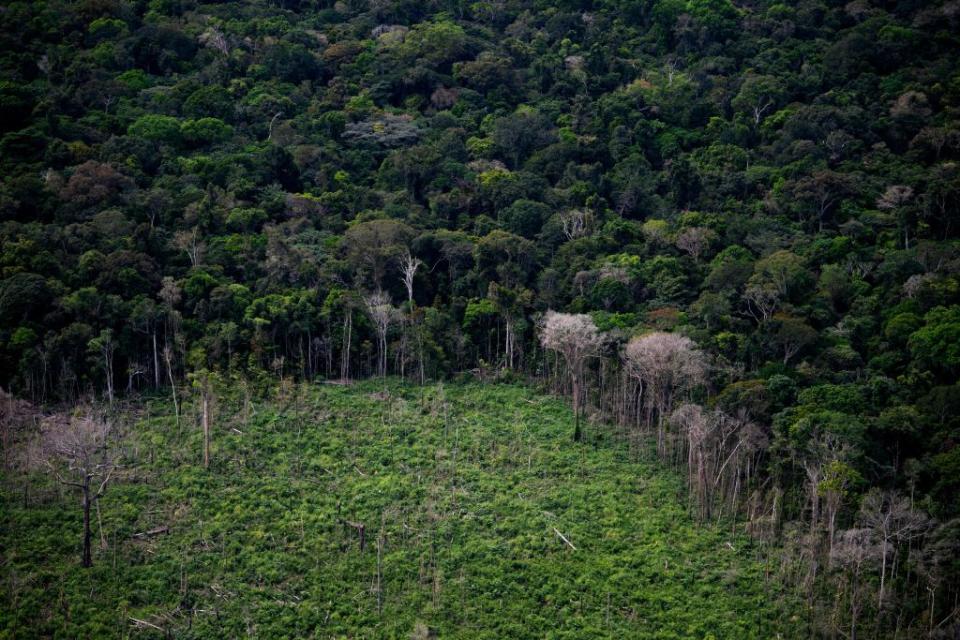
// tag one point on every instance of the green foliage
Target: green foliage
(937, 343)
(205, 131)
(466, 486)
(224, 183)
(156, 128)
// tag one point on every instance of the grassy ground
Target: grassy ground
(462, 490)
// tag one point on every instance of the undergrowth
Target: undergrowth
(481, 517)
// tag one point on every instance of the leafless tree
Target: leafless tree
(664, 364)
(15, 416)
(915, 283)
(895, 199)
(168, 359)
(854, 552)
(721, 451)
(203, 381)
(80, 452)
(695, 240)
(893, 520)
(409, 266)
(213, 38)
(696, 424)
(576, 338)
(939, 553)
(762, 300)
(816, 458)
(382, 314)
(347, 338)
(574, 223)
(191, 243)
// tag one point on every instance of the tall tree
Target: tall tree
(576, 338)
(382, 314)
(664, 364)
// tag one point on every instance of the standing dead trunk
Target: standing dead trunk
(577, 433)
(206, 429)
(156, 363)
(345, 348)
(168, 357)
(108, 367)
(87, 559)
(78, 452)
(577, 338)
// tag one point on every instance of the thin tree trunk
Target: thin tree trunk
(103, 538)
(345, 348)
(173, 387)
(577, 434)
(156, 363)
(87, 560)
(883, 572)
(206, 430)
(108, 365)
(380, 570)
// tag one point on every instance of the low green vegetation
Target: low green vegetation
(481, 519)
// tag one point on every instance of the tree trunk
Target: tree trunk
(345, 348)
(173, 387)
(577, 433)
(156, 363)
(883, 572)
(854, 610)
(382, 354)
(423, 373)
(206, 430)
(108, 365)
(87, 560)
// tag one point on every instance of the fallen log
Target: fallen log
(564, 538)
(143, 623)
(152, 532)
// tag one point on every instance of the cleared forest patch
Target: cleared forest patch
(376, 510)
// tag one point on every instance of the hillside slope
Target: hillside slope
(464, 491)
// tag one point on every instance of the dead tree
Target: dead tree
(15, 417)
(574, 223)
(576, 338)
(892, 520)
(409, 266)
(665, 364)
(203, 382)
(381, 313)
(168, 358)
(81, 453)
(854, 552)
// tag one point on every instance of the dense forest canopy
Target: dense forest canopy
(750, 211)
